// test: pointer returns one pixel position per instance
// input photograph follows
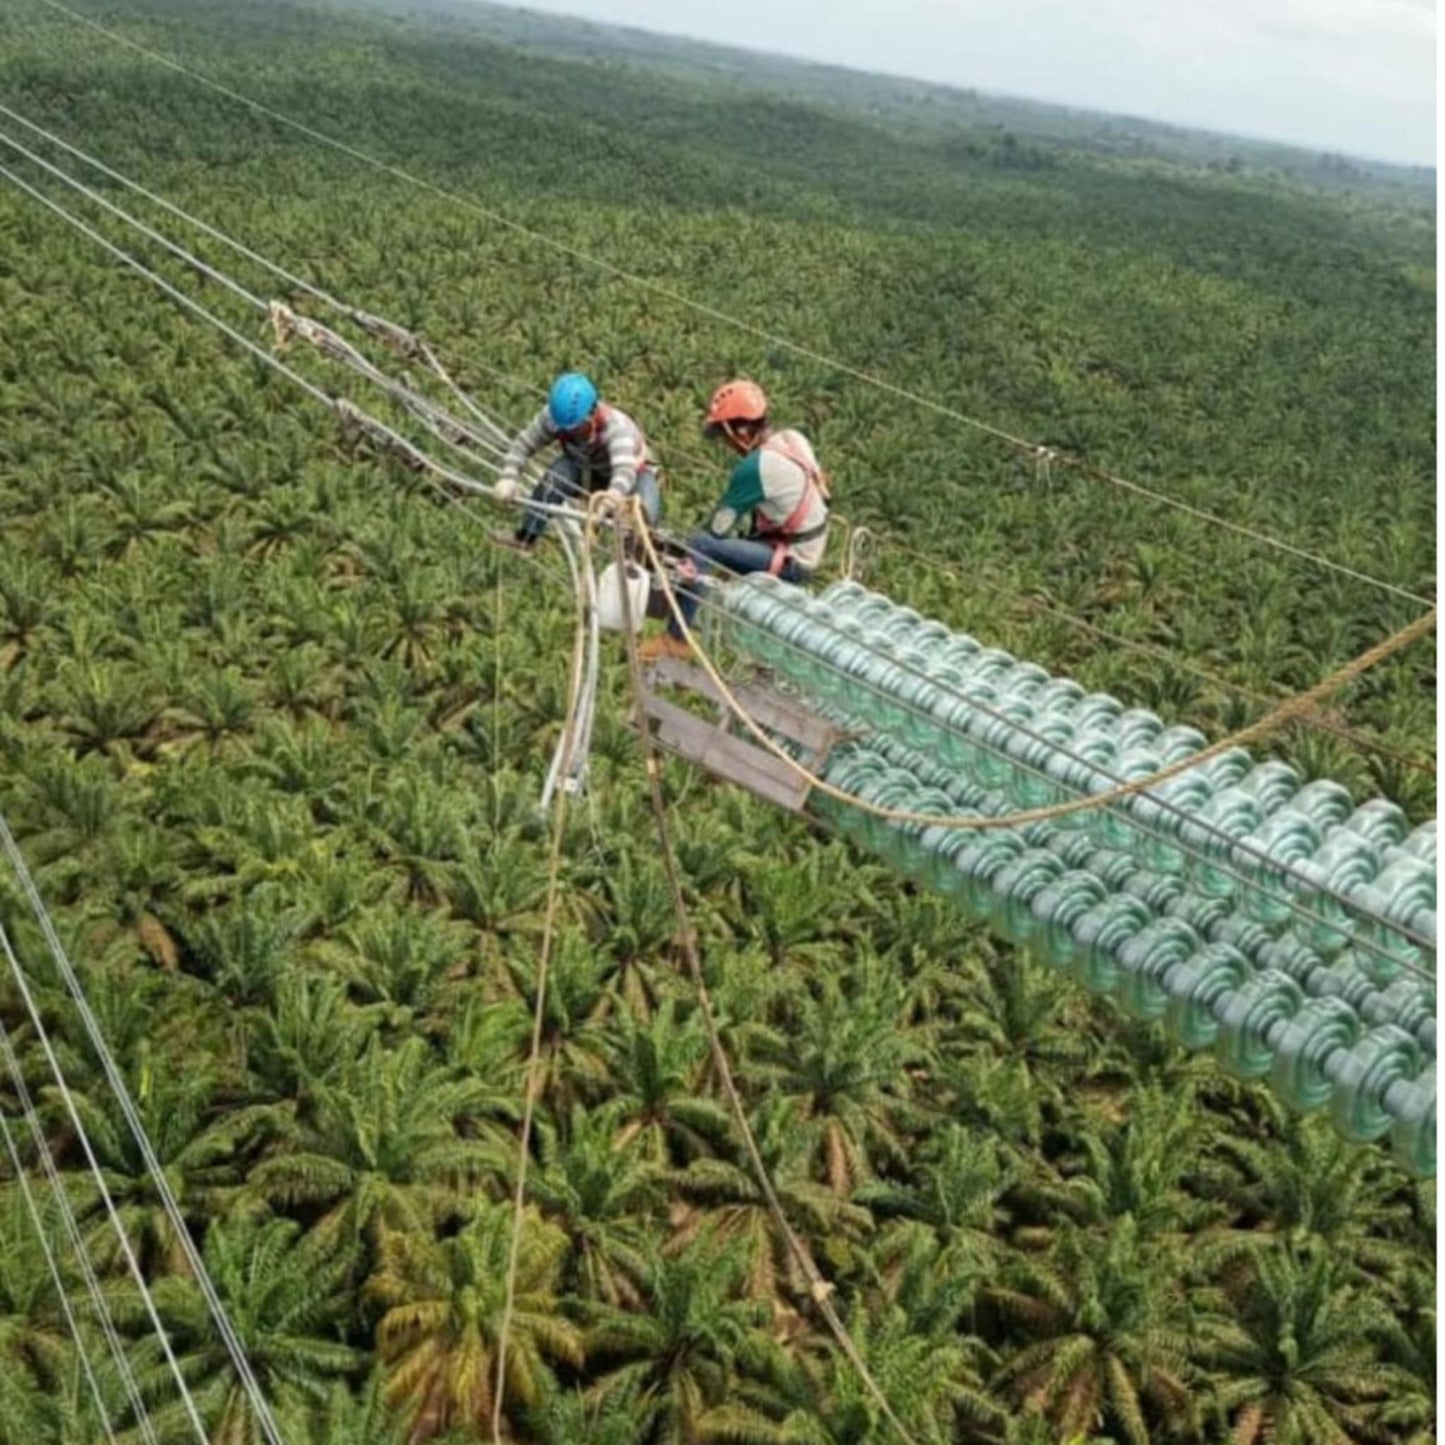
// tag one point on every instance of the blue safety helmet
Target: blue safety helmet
(571, 401)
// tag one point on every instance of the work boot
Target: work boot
(664, 645)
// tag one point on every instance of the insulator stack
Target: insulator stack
(1269, 918)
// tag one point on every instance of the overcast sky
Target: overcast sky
(1349, 75)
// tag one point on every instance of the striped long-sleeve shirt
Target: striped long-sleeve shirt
(610, 455)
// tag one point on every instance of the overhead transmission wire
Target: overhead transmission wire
(576, 721)
(43, 1038)
(576, 253)
(224, 1327)
(399, 338)
(419, 461)
(360, 364)
(413, 457)
(1057, 810)
(97, 1298)
(174, 292)
(448, 430)
(409, 343)
(376, 430)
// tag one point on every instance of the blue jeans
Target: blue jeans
(738, 555)
(562, 482)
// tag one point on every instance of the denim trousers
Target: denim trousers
(737, 555)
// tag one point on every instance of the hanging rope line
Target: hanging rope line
(97, 1299)
(820, 1289)
(117, 1224)
(1029, 448)
(234, 1349)
(570, 737)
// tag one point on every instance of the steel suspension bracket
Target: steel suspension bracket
(722, 746)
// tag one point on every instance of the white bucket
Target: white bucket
(610, 612)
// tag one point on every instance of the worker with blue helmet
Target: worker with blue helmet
(603, 449)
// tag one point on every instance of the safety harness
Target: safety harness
(595, 457)
(789, 533)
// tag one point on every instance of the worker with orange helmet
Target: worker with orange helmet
(778, 484)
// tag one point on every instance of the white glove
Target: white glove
(505, 489)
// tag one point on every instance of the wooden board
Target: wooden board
(723, 747)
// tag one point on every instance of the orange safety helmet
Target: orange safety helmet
(736, 401)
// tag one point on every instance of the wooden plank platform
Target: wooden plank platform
(721, 744)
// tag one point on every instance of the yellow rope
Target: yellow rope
(819, 1288)
(1309, 719)
(1145, 649)
(1286, 712)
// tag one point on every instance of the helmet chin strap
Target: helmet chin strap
(741, 443)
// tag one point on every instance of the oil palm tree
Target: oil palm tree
(1018, 1043)
(574, 1039)
(34, 1338)
(285, 1295)
(200, 1144)
(656, 1072)
(1408, 1340)
(687, 1354)
(1311, 1187)
(357, 1415)
(930, 1375)
(1294, 1359)
(443, 1301)
(721, 1198)
(1105, 1326)
(1138, 1168)
(395, 1143)
(956, 1190)
(601, 1192)
(849, 1070)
